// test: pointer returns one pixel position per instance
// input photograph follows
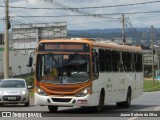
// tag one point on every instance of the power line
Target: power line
(59, 16)
(144, 17)
(15, 21)
(24, 17)
(145, 12)
(85, 13)
(95, 15)
(73, 10)
(92, 22)
(66, 7)
(122, 5)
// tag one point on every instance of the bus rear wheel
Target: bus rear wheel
(126, 103)
(52, 109)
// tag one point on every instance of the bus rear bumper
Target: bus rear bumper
(65, 101)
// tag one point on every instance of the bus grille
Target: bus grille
(63, 89)
(61, 99)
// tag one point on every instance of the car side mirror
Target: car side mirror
(30, 87)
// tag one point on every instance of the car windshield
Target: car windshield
(63, 68)
(12, 84)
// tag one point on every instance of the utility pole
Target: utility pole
(152, 42)
(6, 42)
(123, 29)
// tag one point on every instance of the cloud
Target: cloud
(84, 22)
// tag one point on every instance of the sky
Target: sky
(80, 22)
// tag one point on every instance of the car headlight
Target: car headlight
(23, 92)
(40, 91)
(0, 92)
(84, 92)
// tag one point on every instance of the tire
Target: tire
(52, 109)
(1, 104)
(101, 103)
(119, 104)
(127, 103)
(26, 104)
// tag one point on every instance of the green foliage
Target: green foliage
(30, 80)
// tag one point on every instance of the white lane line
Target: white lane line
(157, 108)
(132, 118)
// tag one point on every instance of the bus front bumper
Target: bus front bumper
(66, 101)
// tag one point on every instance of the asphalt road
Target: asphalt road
(146, 105)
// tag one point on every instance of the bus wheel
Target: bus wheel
(52, 109)
(101, 102)
(127, 103)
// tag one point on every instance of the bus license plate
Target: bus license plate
(11, 98)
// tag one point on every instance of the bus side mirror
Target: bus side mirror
(30, 87)
(30, 61)
(94, 54)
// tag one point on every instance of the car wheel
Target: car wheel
(26, 104)
(1, 104)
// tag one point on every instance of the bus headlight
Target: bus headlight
(40, 91)
(84, 92)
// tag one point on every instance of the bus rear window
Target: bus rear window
(69, 47)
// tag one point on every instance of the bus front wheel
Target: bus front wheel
(101, 102)
(52, 109)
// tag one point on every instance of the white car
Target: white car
(14, 91)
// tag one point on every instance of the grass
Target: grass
(31, 93)
(150, 87)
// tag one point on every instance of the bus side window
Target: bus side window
(95, 66)
(139, 62)
(115, 60)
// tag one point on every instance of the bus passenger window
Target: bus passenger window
(115, 60)
(95, 66)
(102, 62)
(127, 61)
(108, 60)
(139, 62)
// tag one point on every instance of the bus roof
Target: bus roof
(97, 44)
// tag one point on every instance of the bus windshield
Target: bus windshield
(63, 68)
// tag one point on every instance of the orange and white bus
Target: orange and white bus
(85, 72)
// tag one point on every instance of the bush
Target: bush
(30, 80)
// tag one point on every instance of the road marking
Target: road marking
(132, 118)
(157, 108)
